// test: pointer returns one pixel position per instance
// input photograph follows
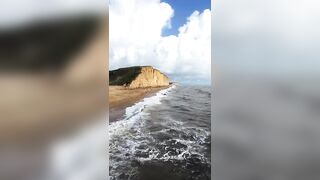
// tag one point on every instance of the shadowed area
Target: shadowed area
(123, 76)
(45, 46)
(138, 77)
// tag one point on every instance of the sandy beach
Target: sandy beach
(121, 97)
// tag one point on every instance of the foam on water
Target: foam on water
(154, 131)
(79, 155)
(135, 112)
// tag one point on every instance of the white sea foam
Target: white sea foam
(149, 101)
(121, 139)
(136, 139)
(135, 112)
(80, 155)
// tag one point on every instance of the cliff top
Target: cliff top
(126, 76)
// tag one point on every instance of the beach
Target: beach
(121, 97)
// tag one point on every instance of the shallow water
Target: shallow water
(166, 136)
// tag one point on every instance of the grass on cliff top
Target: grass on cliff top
(123, 76)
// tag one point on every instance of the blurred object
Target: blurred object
(44, 46)
(266, 128)
(267, 95)
(77, 88)
(17, 14)
(53, 91)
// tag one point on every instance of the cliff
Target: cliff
(138, 77)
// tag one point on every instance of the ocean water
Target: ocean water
(166, 136)
(267, 128)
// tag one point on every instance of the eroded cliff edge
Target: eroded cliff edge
(138, 77)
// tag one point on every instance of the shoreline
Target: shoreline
(120, 98)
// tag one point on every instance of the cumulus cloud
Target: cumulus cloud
(136, 38)
(18, 13)
(275, 36)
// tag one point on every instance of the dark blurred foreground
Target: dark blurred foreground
(266, 128)
(53, 99)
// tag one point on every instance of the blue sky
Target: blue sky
(182, 10)
(140, 37)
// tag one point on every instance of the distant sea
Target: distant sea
(166, 136)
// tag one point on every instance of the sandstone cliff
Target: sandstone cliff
(138, 77)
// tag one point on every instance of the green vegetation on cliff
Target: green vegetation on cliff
(137, 77)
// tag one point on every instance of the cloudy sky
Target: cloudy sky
(274, 37)
(174, 37)
(15, 13)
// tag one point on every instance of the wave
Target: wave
(135, 112)
(163, 134)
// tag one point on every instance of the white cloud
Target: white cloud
(287, 18)
(135, 38)
(21, 12)
(267, 36)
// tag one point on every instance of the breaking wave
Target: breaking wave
(168, 130)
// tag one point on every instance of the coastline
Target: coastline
(169, 129)
(120, 98)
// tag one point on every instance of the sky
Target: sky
(269, 38)
(172, 36)
(15, 13)
(182, 10)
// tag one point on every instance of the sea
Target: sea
(166, 136)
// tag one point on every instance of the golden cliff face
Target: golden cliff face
(149, 77)
(138, 77)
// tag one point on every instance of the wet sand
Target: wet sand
(121, 97)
